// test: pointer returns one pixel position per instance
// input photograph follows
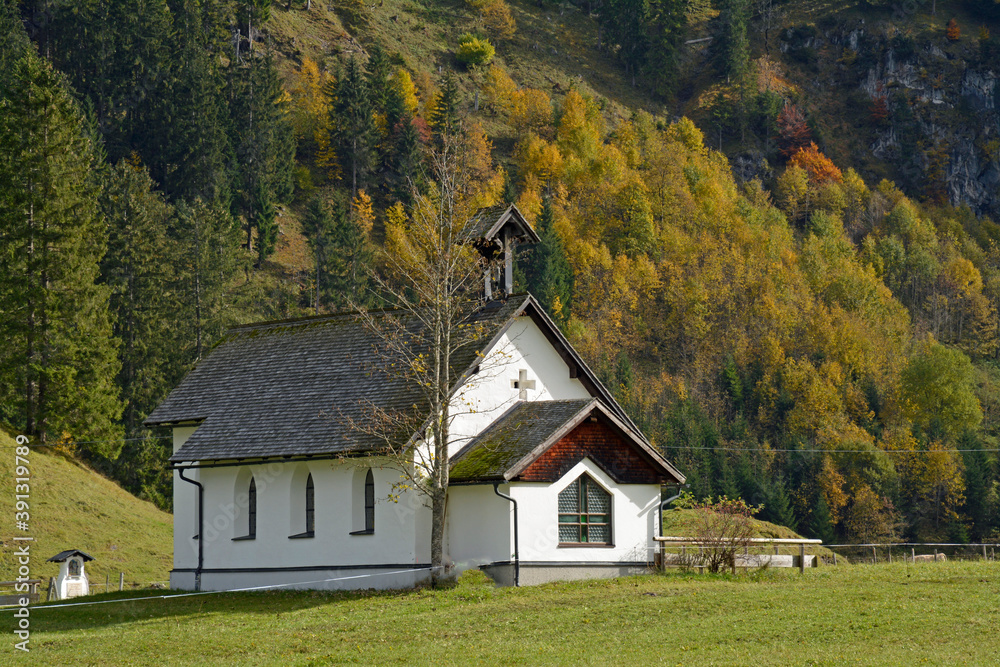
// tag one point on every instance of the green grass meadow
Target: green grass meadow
(929, 613)
(73, 507)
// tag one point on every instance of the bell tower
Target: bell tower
(496, 230)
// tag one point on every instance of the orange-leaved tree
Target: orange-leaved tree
(819, 167)
(793, 133)
(953, 32)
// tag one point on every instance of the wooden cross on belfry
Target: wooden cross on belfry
(523, 383)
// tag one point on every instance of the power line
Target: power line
(833, 451)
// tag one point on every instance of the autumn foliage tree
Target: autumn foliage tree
(793, 133)
(880, 106)
(953, 32)
(819, 167)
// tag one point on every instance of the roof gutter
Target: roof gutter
(517, 559)
(201, 527)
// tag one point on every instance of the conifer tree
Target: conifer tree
(115, 56)
(264, 144)
(625, 24)
(734, 46)
(820, 523)
(207, 248)
(665, 30)
(353, 127)
(318, 225)
(192, 159)
(136, 267)
(547, 271)
(443, 117)
(350, 259)
(58, 364)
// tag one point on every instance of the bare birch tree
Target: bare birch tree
(432, 272)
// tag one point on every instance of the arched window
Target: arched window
(370, 502)
(310, 506)
(252, 510)
(363, 502)
(584, 513)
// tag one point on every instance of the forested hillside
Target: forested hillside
(818, 335)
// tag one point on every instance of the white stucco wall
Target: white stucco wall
(633, 522)
(400, 536)
(489, 393)
(480, 526)
(185, 508)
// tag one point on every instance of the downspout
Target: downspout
(517, 559)
(201, 527)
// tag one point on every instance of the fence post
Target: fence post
(835, 559)
(913, 555)
(802, 559)
(107, 582)
(890, 554)
(874, 558)
(984, 552)
(121, 581)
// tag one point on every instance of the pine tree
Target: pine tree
(547, 271)
(353, 127)
(191, 162)
(665, 30)
(115, 55)
(820, 523)
(443, 117)
(58, 364)
(625, 24)
(350, 259)
(207, 248)
(136, 267)
(318, 225)
(401, 147)
(734, 46)
(378, 71)
(261, 134)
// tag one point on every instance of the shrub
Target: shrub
(474, 50)
(725, 528)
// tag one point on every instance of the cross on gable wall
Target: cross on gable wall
(523, 384)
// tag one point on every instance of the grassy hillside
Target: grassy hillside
(943, 613)
(72, 507)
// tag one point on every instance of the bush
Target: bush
(725, 528)
(474, 50)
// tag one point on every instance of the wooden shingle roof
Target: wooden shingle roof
(487, 223)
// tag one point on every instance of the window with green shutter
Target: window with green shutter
(584, 513)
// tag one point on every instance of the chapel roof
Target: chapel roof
(528, 429)
(293, 387)
(487, 223)
(69, 553)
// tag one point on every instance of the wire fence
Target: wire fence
(774, 554)
(910, 552)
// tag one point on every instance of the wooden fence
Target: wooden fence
(745, 560)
